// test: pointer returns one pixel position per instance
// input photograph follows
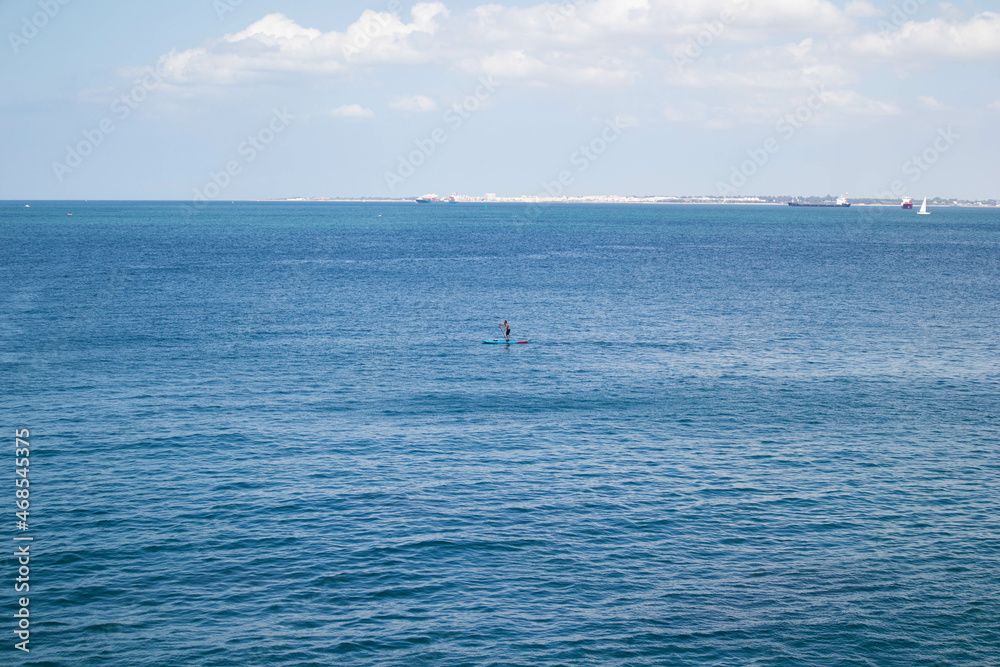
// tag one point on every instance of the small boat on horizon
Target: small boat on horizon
(923, 208)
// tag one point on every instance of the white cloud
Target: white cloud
(591, 43)
(276, 46)
(855, 104)
(754, 58)
(588, 42)
(273, 29)
(626, 120)
(550, 69)
(601, 22)
(791, 67)
(413, 103)
(512, 64)
(975, 38)
(352, 111)
(931, 103)
(674, 115)
(826, 107)
(862, 9)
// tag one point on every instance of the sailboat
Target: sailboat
(923, 208)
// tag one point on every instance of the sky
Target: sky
(256, 99)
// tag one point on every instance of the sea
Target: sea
(269, 433)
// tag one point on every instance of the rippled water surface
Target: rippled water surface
(270, 434)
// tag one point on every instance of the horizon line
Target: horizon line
(520, 199)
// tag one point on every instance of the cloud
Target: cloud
(587, 42)
(554, 69)
(591, 43)
(977, 38)
(931, 103)
(276, 46)
(352, 111)
(861, 9)
(626, 120)
(603, 22)
(828, 107)
(273, 30)
(746, 60)
(789, 67)
(413, 103)
(853, 103)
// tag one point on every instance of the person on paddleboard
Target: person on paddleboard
(506, 329)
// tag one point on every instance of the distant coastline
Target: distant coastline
(937, 202)
(630, 199)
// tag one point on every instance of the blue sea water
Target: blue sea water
(270, 434)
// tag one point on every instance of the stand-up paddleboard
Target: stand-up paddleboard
(505, 342)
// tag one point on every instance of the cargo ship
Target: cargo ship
(907, 203)
(841, 202)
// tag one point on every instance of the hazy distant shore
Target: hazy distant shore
(619, 199)
(610, 199)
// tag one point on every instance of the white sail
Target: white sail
(923, 208)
